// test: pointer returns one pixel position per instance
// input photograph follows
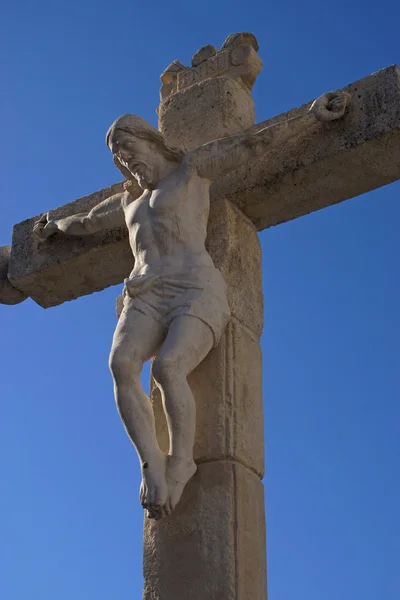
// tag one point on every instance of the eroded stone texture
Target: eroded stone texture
(244, 37)
(8, 293)
(341, 160)
(203, 54)
(233, 244)
(237, 60)
(205, 112)
(338, 161)
(168, 79)
(241, 63)
(213, 546)
(66, 267)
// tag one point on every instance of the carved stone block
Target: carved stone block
(241, 63)
(213, 546)
(204, 112)
(203, 54)
(237, 59)
(233, 244)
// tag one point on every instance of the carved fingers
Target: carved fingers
(44, 228)
(330, 106)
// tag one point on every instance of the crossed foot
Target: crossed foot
(163, 480)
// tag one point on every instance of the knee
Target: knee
(165, 369)
(123, 365)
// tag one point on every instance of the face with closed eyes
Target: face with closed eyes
(137, 156)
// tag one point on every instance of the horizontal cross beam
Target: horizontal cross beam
(344, 159)
(341, 160)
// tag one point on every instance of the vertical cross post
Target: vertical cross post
(213, 546)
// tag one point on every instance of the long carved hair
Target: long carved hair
(139, 128)
(170, 153)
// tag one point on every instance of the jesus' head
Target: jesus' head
(140, 150)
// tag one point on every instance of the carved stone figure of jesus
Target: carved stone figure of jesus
(174, 304)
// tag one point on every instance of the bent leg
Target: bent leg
(188, 342)
(136, 339)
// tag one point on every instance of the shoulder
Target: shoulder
(194, 161)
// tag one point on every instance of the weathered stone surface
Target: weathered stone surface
(78, 266)
(169, 78)
(213, 546)
(204, 112)
(243, 37)
(233, 244)
(170, 73)
(228, 394)
(237, 59)
(82, 265)
(203, 54)
(239, 62)
(75, 266)
(344, 159)
(8, 293)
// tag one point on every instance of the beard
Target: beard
(144, 174)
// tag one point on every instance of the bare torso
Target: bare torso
(168, 225)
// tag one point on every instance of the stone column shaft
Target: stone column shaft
(213, 546)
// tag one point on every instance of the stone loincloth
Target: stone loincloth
(199, 292)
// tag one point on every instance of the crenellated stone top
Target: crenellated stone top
(237, 59)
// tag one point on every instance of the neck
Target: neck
(165, 168)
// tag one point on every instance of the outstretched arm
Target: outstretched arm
(106, 215)
(224, 155)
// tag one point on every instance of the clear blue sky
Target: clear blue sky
(70, 522)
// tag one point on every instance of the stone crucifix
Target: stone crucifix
(174, 305)
(193, 299)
